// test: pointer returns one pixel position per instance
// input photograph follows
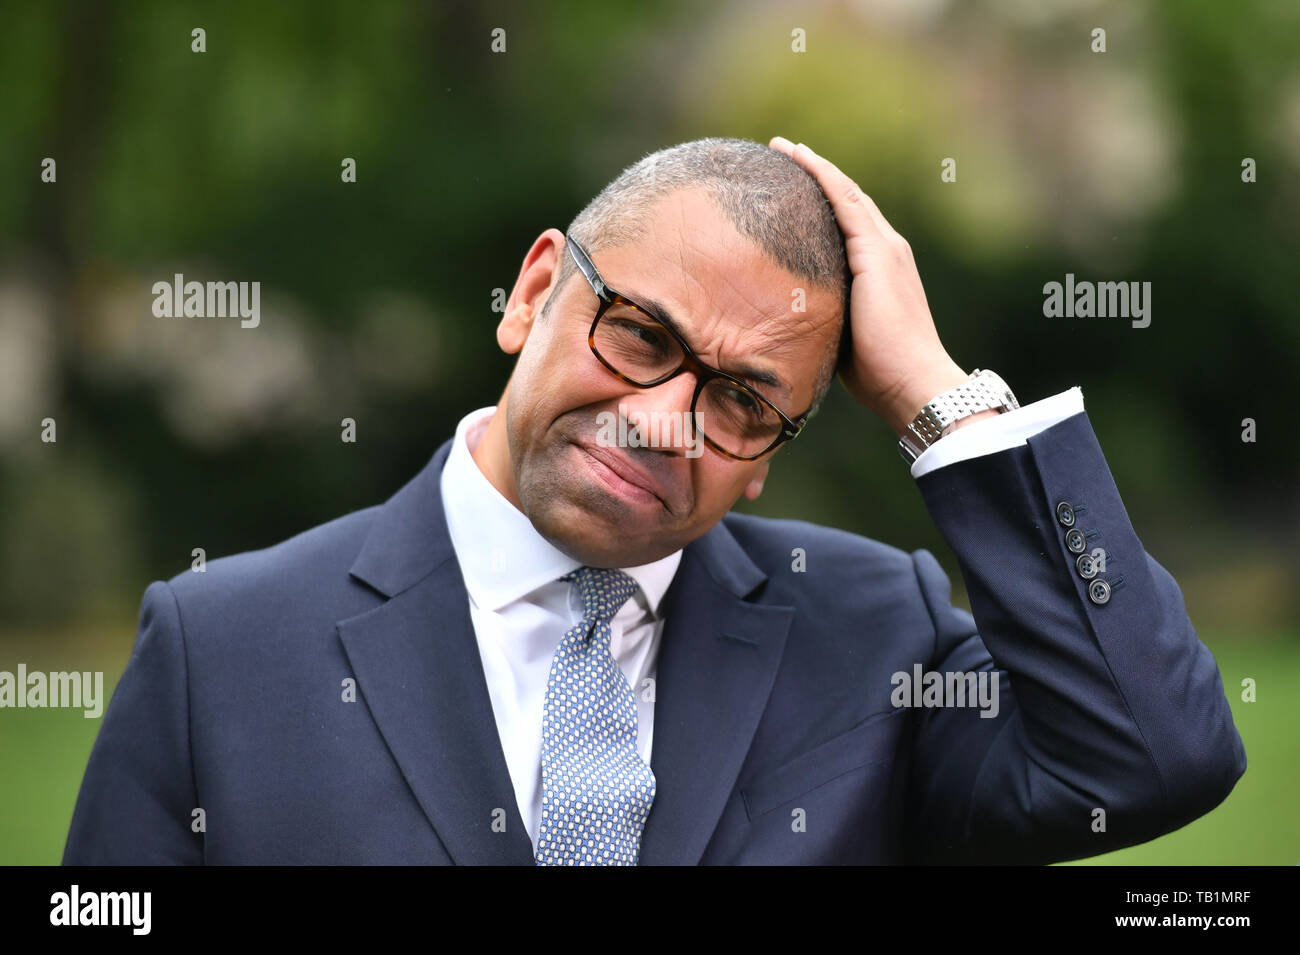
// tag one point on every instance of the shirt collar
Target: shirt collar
(502, 556)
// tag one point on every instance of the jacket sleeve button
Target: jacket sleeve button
(1099, 592)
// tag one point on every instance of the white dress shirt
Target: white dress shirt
(520, 609)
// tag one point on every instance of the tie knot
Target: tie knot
(604, 591)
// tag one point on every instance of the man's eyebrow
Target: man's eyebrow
(748, 372)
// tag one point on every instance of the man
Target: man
(551, 649)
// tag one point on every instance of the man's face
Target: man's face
(626, 506)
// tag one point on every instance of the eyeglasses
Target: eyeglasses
(636, 346)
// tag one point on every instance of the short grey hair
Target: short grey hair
(763, 193)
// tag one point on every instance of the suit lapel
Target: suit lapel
(418, 668)
(718, 660)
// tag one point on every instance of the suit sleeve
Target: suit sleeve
(138, 795)
(1111, 726)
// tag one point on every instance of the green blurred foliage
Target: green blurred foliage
(377, 295)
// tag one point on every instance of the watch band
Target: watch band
(982, 391)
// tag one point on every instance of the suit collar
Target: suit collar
(408, 538)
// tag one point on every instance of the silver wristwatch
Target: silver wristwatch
(982, 391)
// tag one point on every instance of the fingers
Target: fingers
(855, 210)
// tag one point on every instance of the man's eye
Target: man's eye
(743, 400)
(648, 335)
(641, 331)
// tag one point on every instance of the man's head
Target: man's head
(739, 246)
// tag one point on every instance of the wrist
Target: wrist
(970, 419)
(983, 393)
(920, 390)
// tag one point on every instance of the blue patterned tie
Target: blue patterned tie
(596, 789)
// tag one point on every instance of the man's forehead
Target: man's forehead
(697, 273)
(690, 254)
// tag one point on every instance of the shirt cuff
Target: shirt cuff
(1010, 429)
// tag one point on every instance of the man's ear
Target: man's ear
(755, 487)
(531, 289)
(513, 329)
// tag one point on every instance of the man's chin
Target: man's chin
(592, 516)
(586, 536)
(598, 538)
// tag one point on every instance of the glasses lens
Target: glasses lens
(636, 344)
(735, 418)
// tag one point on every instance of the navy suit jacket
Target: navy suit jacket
(775, 737)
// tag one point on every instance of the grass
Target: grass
(1257, 824)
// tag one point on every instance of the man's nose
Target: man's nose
(668, 403)
(675, 394)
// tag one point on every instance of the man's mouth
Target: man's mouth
(621, 476)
